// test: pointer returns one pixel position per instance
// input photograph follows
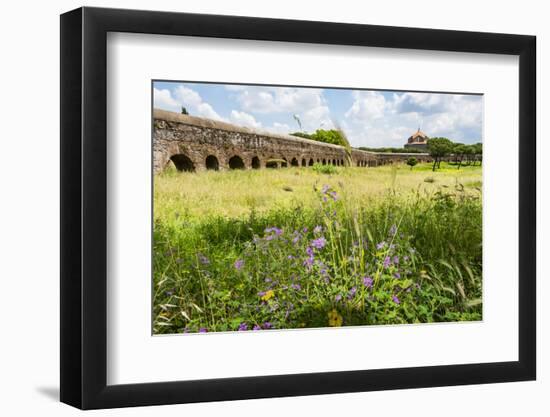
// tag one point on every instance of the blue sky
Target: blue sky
(369, 118)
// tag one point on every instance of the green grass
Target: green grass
(447, 167)
(298, 247)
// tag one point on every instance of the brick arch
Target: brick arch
(182, 162)
(211, 162)
(255, 162)
(236, 162)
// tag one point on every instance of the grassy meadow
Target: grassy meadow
(296, 247)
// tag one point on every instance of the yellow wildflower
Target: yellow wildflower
(334, 319)
(268, 294)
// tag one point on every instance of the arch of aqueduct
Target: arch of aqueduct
(194, 144)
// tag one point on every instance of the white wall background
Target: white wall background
(29, 225)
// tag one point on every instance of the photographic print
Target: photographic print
(284, 207)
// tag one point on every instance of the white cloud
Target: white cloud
(378, 120)
(184, 97)
(162, 99)
(308, 104)
(244, 119)
(279, 99)
(316, 118)
(419, 102)
(367, 106)
(187, 96)
(281, 128)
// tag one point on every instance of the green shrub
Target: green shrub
(412, 162)
(325, 169)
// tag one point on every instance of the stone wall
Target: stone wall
(194, 144)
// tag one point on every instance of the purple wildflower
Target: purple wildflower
(397, 275)
(367, 282)
(309, 261)
(319, 243)
(296, 287)
(352, 292)
(387, 262)
(380, 245)
(203, 330)
(267, 325)
(203, 259)
(304, 230)
(393, 230)
(396, 260)
(242, 327)
(406, 258)
(276, 230)
(338, 297)
(238, 264)
(309, 251)
(256, 327)
(317, 230)
(288, 310)
(395, 299)
(325, 189)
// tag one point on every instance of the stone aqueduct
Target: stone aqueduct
(194, 144)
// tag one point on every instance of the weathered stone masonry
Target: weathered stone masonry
(193, 143)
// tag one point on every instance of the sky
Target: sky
(369, 118)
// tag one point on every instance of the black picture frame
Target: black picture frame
(84, 207)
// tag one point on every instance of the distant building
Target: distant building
(418, 140)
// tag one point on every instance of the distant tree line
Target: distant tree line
(441, 148)
(336, 137)
(333, 136)
(392, 150)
